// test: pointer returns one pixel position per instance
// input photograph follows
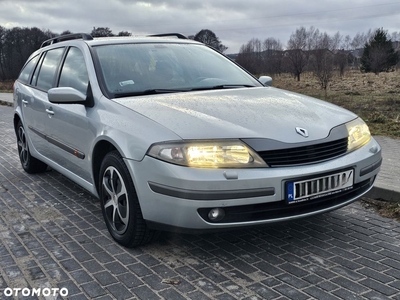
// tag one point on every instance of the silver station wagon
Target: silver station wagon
(170, 134)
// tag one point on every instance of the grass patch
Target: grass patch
(387, 209)
(6, 86)
(375, 98)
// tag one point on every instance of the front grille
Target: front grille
(304, 155)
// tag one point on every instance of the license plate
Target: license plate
(304, 190)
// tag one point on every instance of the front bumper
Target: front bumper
(181, 197)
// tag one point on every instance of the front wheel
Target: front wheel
(120, 204)
(29, 163)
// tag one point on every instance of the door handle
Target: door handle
(50, 112)
(25, 102)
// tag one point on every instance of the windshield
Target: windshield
(137, 69)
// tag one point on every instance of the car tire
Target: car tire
(120, 204)
(30, 164)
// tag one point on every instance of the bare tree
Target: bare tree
(261, 57)
(311, 36)
(360, 39)
(346, 43)
(341, 61)
(336, 41)
(323, 67)
(296, 56)
(244, 57)
(272, 56)
(272, 44)
(322, 60)
(250, 56)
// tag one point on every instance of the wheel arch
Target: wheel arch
(100, 150)
(16, 120)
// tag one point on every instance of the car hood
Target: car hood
(264, 112)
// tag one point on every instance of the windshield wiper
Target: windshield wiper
(150, 92)
(223, 86)
(166, 91)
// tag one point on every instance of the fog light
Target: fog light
(216, 214)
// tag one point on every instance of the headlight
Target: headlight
(208, 154)
(359, 134)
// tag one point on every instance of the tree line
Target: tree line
(17, 44)
(309, 50)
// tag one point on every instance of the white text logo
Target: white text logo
(36, 292)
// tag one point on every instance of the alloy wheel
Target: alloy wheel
(23, 146)
(116, 204)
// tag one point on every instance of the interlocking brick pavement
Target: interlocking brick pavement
(53, 236)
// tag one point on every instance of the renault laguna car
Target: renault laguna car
(170, 134)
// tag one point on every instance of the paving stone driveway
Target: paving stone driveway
(53, 236)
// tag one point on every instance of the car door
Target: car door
(34, 99)
(70, 133)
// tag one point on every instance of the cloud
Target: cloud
(234, 22)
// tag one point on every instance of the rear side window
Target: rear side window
(48, 69)
(36, 73)
(74, 73)
(27, 70)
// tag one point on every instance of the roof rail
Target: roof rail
(66, 37)
(178, 35)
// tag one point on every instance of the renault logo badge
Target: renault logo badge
(302, 131)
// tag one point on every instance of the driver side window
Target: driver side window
(74, 73)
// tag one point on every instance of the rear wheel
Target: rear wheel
(120, 205)
(29, 163)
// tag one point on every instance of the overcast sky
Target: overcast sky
(235, 22)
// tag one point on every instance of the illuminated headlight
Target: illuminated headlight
(208, 154)
(359, 134)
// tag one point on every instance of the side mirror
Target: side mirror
(66, 95)
(265, 80)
